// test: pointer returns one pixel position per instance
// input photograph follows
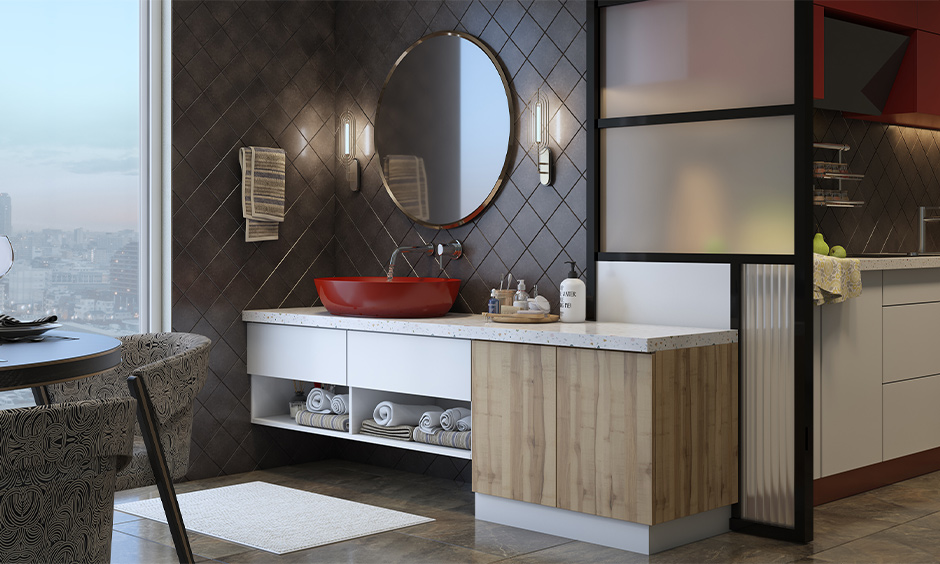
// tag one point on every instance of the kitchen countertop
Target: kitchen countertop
(898, 263)
(629, 337)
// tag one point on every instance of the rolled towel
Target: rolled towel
(340, 404)
(387, 413)
(431, 421)
(464, 424)
(318, 401)
(450, 417)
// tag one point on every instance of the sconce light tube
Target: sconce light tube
(539, 114)
(347, 133)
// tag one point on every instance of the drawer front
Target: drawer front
(911, 417)
(310, 354)
(426, 366)
(911, 286)
(910, 341)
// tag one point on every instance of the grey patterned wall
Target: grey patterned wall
(277, 73)
(530, 230)
(247, 73)
(902, 171)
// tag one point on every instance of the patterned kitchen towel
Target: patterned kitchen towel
(398, 432)
(453, 439)
(323, 420)
(262, 191)
(835, 280)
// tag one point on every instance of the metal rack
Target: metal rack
(838, 171)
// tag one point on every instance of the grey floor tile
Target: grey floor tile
(491, 538)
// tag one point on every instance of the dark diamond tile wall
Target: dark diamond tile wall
(902, 171)
(276, 73)
(247, 73)
(529, 230)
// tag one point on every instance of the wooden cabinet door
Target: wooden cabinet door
(605, 433)
(513, 406)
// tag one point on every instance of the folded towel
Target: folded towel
(430, 421)
(387, 413)
(398, 432)
(454, 439)
(340, 404)
(7, 321)
(262, 191)
(464, 424)
(323, 420)
(450, 417)
(835, 280)
(318, 401)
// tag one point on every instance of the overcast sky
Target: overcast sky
(69, 113)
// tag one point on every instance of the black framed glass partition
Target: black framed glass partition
(699, 152)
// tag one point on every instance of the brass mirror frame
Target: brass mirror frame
(509, 100)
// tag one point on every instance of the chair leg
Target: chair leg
(41, 395)
(146, 418)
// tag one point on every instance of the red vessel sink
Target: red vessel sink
(374, 296)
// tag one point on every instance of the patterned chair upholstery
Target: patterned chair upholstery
(174, 367)
(58, 465)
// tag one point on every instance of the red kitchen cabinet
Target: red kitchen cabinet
(819, 59)
(902, 13)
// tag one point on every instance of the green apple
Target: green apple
(819, 245)
(837, 251)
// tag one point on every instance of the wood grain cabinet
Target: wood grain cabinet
(639, 437)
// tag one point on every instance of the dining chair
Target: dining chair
(164, 372)
(58, 469)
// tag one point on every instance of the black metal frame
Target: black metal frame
(801, 259)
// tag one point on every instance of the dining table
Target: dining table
(53, 357)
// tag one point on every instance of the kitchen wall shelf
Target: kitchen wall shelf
(838, 171)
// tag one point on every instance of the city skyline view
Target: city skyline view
(69, 125)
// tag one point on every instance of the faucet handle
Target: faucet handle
(455, 248)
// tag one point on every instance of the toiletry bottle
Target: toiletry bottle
(492, 306)
(573, 300)
(521, 297)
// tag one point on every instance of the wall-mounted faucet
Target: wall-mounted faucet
(922, 221)
(429, 249)
(454, 249)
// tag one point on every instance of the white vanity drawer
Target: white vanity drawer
(310, 354)
(915, 285)
(426, 366)
(911, 417)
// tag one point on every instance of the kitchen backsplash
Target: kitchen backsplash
(902, 171)
(276, 73)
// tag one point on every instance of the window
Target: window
(71, 193)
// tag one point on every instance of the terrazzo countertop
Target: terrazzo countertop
(898, 263)
(627, 337)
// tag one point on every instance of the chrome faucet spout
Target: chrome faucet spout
(429, 249)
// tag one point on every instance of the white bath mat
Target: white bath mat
(274, 518)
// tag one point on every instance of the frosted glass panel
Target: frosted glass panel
(767, 371)
(704, 187)
(664, 56)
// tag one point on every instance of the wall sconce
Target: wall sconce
(538, 131)
(347, 149)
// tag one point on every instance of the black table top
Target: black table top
(59, 357)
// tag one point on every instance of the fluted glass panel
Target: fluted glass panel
(702, 187)
(767, 341)
(666, 56)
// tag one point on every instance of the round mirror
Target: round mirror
(442, 129)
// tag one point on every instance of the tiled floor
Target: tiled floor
(899, 523)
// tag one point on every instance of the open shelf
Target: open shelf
(287, 422)
(837, 171)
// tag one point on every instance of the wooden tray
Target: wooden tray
(520, 317)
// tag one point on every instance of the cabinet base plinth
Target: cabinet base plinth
(624, 535)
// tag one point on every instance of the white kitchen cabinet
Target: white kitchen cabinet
(911, 286)
(911, 341)
(851, 380)
(911, 416)
(308, 354)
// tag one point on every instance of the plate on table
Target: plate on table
(13, 333)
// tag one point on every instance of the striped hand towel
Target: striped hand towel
(454, 439)
(262, 191)
(398, 432)
(323, 420)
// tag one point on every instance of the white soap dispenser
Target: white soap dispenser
(521, 298)
(573, 299)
